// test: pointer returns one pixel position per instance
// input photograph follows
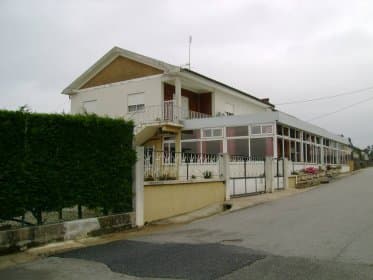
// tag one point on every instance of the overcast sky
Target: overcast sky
(284, 50)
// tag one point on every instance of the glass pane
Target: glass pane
(304, 152)
(286, 131)
(238, 147)
(190, 134)
(140, 107)
(279, 129)
(267, 129)
(309, 153)
(237, 131)
(255, 129)
(287, 149)
(132, 108)
(207, 133)
(217, 132)
(298, 152)
(280, 154)
(261, 147)
(212, 147)
(292, 151)
(190, 147)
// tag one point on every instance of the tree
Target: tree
(369, 151)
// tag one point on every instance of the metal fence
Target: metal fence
(162, 165)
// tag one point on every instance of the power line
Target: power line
(326, 97)
(341, 109)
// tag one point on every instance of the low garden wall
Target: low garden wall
(312, 176)
(171, 198)
(23, 238)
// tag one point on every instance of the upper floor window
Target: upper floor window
(261, 129)
(255, 129)
(237, 131)
(136, 102)
(212, 132)
(267, 129)
(190, 134)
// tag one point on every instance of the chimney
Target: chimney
(265, 100)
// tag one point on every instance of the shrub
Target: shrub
(52, 161)
(207, 174)
(311, 170)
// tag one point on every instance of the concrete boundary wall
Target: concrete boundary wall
(167, 199)
(23, 238)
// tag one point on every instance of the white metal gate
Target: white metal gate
(278, 173)
(247, 176)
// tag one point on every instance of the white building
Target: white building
(179, 110)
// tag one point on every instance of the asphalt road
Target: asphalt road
(326, 233)
(333, 222)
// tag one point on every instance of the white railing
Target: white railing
(160, 166)
(197, 115)
(166, 112)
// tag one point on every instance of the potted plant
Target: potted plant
(149, 178)
(207, 174)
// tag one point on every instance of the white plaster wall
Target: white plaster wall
(241, 106)
(345, 168)
(112, 99)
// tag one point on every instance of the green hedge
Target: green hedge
(49, 162)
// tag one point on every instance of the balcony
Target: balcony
(165, 113)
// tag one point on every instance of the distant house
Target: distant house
(179, 110)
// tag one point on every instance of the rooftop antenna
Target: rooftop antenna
(190, 43)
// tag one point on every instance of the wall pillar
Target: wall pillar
(283, 144)
(178, 142)
(138, 187)
(275, 152)
(178, 92)
(322, 161)
(301, 147)
(225, 174)
(286, 172)
(178, 154)
(268, 169)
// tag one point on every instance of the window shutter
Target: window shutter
(136, 98)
